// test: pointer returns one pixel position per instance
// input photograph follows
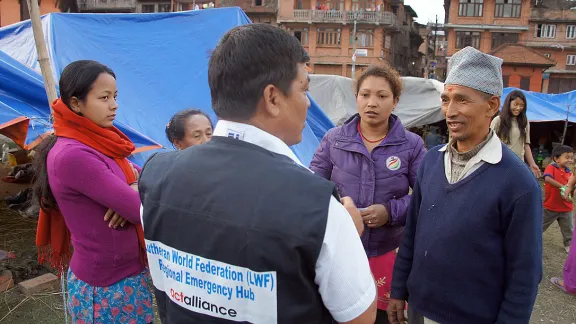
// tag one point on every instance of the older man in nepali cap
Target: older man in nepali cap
(472, 246)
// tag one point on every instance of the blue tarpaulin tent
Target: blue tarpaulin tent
(543, 107)
(160, 59)
(24, 110)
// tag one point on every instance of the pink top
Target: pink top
(570, 270)
(85, 184)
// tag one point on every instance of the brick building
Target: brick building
(325, 30)
(523, 66)
(13, 11)
(435, 47)
(546, 28)
(486, 24)
(259, 11)
(553, 33)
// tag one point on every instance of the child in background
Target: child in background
(556, 208)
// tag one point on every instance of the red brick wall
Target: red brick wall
(486, 19)
(10, 10)
(515, 74)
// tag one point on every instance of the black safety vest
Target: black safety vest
(233, 232)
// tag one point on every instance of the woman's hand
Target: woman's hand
(136, 173)
(114, 219)
(375, 216)
(536, 170)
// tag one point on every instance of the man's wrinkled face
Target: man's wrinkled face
(466, 111)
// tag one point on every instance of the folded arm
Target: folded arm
(86, 173)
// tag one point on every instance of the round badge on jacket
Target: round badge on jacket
(393, 163)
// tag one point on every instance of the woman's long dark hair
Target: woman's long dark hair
(76, 81)
(506, 117)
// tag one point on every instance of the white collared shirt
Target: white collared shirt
(490, 153)
(342, 271)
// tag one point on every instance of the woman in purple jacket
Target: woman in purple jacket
(372, 159)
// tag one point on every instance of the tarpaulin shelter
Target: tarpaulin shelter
(160, 60)
(419, 103)
(24, 110)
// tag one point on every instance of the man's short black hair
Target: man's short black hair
(561, 149)
(247, 59)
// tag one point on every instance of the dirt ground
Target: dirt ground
(18, 235)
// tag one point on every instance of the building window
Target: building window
(545, 31)
(369, 5)
(571, 32)
(503, 38)
(464, 39)
(471, 8)
(164, 7)
(571, 60)
(387, 42)
(505, 80)
(525, 83)
(335, 5)
(364, 38)
(148, 8)
(301, 34)
(508, 8)
(258, 3)
(328, 37)
(24, 12)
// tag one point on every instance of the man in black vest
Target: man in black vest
(238, 230)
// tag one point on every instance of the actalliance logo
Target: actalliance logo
(197, 302)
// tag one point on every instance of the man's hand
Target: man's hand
(536, 170)
(375, 216)
(114, 219)
(396, 311)
(354, 213)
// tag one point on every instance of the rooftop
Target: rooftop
(517, 54)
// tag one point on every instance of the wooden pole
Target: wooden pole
(565, 125)
(43, 58)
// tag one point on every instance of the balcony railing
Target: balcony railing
(344, 17)
(120, 5)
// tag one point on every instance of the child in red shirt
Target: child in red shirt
(556, 208)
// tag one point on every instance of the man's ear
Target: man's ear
(494, 104)
(272, 96)
(178, 144)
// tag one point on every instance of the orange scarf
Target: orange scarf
(53, 236)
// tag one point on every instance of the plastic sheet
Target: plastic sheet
(160, 60)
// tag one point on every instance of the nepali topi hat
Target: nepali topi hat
(473, 69)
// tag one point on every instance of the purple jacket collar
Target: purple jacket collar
(349, 139)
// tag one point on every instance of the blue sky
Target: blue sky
(427, 10)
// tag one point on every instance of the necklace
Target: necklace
(367, 140)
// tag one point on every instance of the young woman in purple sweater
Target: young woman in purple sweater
(88, 193)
